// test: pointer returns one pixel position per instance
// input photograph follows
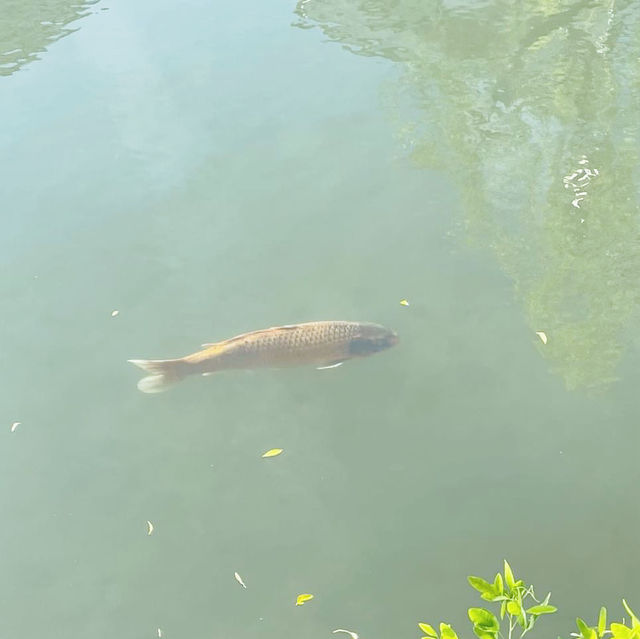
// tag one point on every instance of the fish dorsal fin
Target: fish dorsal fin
(262, 331)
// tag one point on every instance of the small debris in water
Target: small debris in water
(115, 313)
(274, 452)
(542, 335)
(159, 632)
(354, 635)
(239, 579)
(15, 425)
(404, 303)
(300, 599)
(149, 527)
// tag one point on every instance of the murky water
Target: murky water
(209, 169)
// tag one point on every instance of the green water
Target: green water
(207, 169)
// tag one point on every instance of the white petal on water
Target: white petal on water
(354, 635)
(149, 527)
(576, 202)
(114, 313)
(159, 632)
(239, 579)
(15, 425)
(542, 335)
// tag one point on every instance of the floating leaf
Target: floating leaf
(427, 629)
(14, 426)
(404, 303)
(301, 599)
(274, 452)
(542, 335)
(239, 579)
(354, 635)
(149, 527)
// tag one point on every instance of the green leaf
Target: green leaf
(602, 621)
(513, 608)
(541, 610)
(480, 585)
(484, 619)
(508, 575)
(446, 632)
(585, 631)
(620, 632)
(427, 629)
(634, 620)
(503, 609)
(498, 584)
(487, 596)
(484, 634)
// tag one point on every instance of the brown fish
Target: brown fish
(322, 344)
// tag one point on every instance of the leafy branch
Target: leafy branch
(515, 597)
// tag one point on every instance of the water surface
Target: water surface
(207, 170)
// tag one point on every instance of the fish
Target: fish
(323, 344)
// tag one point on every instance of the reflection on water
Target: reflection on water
(532, 108)
(27, 28)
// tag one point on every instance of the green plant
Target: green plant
(615, 630)
(514, 596)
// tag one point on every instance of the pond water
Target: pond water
(207, 169)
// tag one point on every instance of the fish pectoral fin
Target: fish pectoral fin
(331, 365)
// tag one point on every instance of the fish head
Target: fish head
(370, 339)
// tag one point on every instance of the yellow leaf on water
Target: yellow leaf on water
(149, 527)
(300, 599)
(273, 452)
(542, 335)
(404, 302)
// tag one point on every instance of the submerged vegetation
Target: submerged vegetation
(520, 610)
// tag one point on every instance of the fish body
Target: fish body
(322, 344)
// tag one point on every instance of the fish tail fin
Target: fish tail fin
(163, 373)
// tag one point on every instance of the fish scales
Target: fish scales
(321, 344)
(314, 343)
